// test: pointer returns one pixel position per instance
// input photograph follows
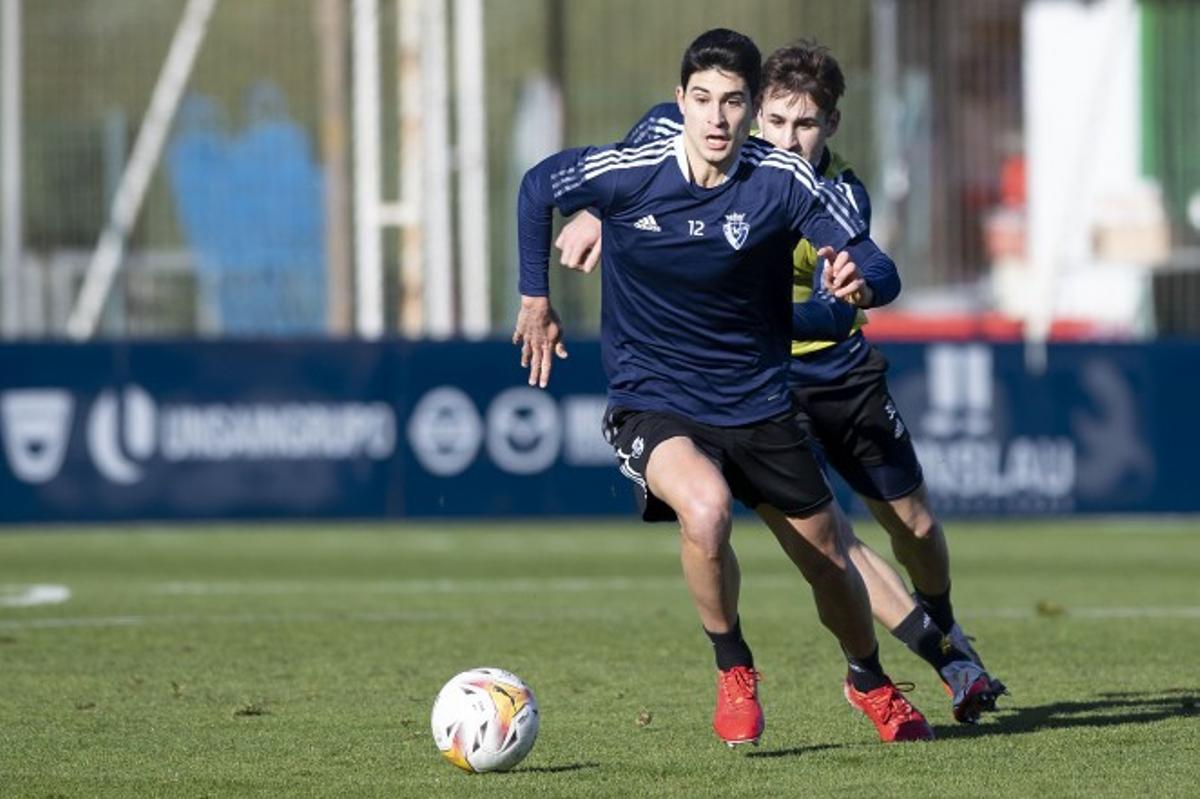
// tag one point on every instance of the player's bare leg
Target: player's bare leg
(890, 600)
(814, 544)
(815, 547)
(920, 545)
(917, 539)
(683, 477)
(895, 608)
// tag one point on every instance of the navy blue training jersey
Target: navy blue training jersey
(696, 309)
(828, 340)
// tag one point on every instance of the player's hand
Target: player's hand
(579, 242)
(539, 333)
(842, 279)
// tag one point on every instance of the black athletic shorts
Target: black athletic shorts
(858, 430)
(771, 461)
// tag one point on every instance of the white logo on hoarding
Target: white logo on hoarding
(37, 427)
(527, 431)
(120, 433)
(445, 431)
(126, 428)
(583, 431)
(524, 430)
(969, 459)
(960, 389)
(283, 431)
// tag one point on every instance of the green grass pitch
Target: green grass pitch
(283, 661)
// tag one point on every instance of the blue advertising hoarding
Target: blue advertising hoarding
(1098, 431)
(319, 429)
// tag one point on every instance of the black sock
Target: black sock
(730, 648)
(865, 673)
(920, 634)
(938, 608)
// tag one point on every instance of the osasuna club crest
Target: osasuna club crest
(736, 230)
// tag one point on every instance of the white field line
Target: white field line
(524, 614)
(1103, 613)
(27, 596)
(449, 586)
(520, 585)
(333, 617)
(534, 585)
(1134, 613)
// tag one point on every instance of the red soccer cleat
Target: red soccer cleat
(892, 714)
(738, 718)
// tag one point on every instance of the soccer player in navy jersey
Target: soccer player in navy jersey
(695, 329)
(840, 381)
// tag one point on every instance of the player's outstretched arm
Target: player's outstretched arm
(561, 181)
(538, 331)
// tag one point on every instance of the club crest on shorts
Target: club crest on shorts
(638, 447)
(736, 230)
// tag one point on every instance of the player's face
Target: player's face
(717, 112)
(794, 122)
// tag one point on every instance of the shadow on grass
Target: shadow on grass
(1106, 710)
(794, 751)
(554, 769)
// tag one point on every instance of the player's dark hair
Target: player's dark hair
(805, 67)
(728, 51)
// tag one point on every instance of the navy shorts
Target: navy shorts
(769, 462)
(859, 431)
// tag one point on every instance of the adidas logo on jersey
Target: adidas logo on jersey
(648, 223)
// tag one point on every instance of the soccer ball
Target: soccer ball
(485, 720)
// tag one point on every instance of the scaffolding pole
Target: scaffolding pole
(474, 271)
(147, 149)
(11, 244)
(368, 250)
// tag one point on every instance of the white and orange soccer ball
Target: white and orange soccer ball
(485, 720)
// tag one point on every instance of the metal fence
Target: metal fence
(247, 223)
